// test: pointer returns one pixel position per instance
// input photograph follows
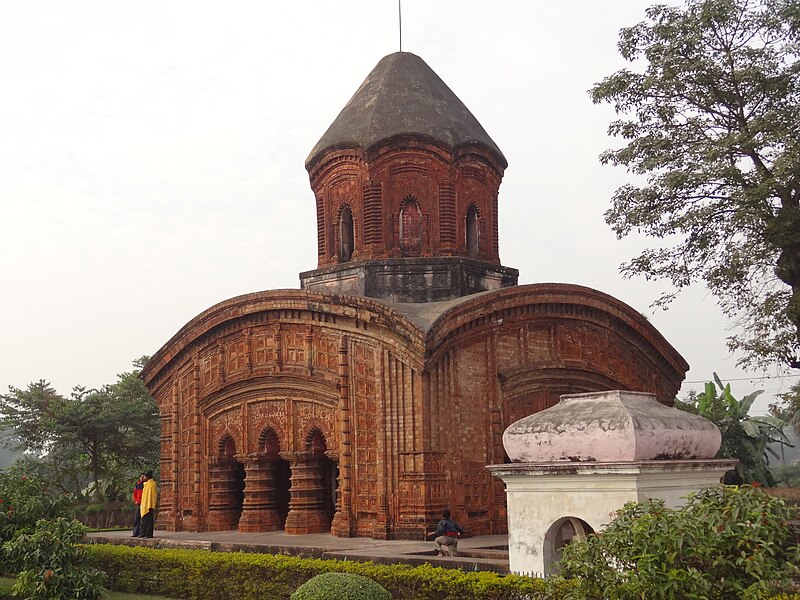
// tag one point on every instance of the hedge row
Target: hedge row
(201, 575)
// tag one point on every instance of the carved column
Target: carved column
(168, 515)
(307, 509)
(343, 523)
(223, 511)
(260, 508)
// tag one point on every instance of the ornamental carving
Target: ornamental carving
(228, 423)
(310, 416)
(262, 415)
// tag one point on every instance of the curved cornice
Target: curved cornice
(363, 311)
(496, 305)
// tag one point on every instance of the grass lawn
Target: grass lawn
(6, 584)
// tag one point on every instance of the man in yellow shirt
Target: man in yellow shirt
(148, 506)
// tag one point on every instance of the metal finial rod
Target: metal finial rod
(400, 23)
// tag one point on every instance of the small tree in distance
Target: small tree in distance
(97, 436)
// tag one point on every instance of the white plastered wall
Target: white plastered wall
(539, 494)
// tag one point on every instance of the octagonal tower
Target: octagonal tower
(406, 182)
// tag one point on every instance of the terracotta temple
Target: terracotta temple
(375, 395)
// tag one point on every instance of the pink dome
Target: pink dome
(611, 426)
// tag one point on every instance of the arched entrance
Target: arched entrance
(266, 499)
(312, 501)
(558, 535)
(226, 480)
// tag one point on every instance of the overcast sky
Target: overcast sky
(151, 161)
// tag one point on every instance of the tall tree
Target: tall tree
(106, 434)
(712, 122)
(30, 415)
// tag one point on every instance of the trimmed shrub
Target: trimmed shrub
(204, 575)
(335, 586)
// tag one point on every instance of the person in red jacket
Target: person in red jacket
(137, 500)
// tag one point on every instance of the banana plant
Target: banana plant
(744, 438)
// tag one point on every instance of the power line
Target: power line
(754, 378)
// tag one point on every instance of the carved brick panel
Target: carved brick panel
(262, 415)
(236, 356)
(209, 368)
(228, 423)
(364, 390)
(263, 348)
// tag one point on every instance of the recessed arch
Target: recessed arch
(317, 445)
(561, 533)
(226, 483)
(472, 231)
(315, 442)
(410, 227)
(346, 234)
(269, 443)
(226, 446)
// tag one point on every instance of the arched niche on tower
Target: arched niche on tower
(346, 234)
(472, 231)
(410, 227)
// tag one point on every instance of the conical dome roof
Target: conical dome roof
(402, 95)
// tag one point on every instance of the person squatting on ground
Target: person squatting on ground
(447, 533)
(137, 500)
(148, 506)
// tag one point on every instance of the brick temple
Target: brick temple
(375, 395)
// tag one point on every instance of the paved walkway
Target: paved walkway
(481, 553)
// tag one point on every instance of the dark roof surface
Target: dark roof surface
(402, 95)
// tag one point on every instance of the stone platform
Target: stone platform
(480, 553)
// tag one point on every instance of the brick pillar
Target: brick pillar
(260, 508)
(340, 526)
(307, 508)
(223, 508)
(343, 522)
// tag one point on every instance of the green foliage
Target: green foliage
(788, 476)
(712, 123)
(788, 408)
(103, 436)
(335, 586)
(24, 500)
(724, 543)
(744, 438)
(51, 564)
(202, 575)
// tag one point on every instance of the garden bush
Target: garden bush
(52, 565)
(205, 575)
(335, 586)
(724, 543)
(24, 500)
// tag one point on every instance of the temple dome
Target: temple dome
(611, 426)
(403, 96)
